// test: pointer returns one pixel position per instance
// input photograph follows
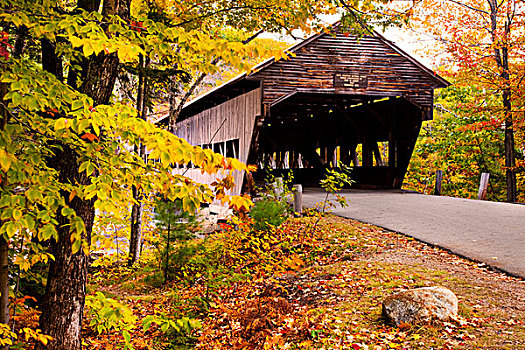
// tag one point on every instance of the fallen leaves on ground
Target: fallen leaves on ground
(300, 289)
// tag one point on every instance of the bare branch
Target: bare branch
(353, 11)
(443, 109)
(223, 10)
(251, 38)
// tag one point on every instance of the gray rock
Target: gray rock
(421, 306)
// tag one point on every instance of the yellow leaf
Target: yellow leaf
(87, 49)
(60, 124)
(75, 42)
(5, 160)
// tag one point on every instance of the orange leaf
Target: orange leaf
(89, 137)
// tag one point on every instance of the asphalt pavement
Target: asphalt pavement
(488, 232)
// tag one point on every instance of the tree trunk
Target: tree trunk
(175, 110)
(63, 302)
(510, 156)
(167, 255)
(136, 227)
(4, 281)
(135, 238)
(4, 244)
(4, 275)
(173, 91)
(501, 56)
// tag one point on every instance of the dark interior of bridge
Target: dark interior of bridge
(309, 132)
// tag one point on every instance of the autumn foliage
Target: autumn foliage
(289, 287)
(478, 45)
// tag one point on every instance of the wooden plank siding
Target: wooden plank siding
(315, 65)
(231, 120)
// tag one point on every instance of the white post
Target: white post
(483, 185)
(298, 198)
(278, 187)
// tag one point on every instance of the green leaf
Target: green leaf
(67, 211)
(90, 168)
(165, 158)
(77, 104)
(83, 125)
(10, 229)
(28, 222)
(47, 232)
(16, 98)
(83, 166)
(126, 335)
(33, 104)
(34, 195)
(50, 27)
(75, 247)
(146, 325)
(17, 214)
(79, 225)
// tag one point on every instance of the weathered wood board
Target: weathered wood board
(229, 121)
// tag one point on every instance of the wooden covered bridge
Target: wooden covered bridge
(360, 101)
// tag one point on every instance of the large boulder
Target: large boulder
(421, 306)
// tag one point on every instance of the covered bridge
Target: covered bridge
(360, 101)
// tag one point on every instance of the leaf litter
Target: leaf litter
(323, 290)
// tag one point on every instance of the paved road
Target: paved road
(493, 233)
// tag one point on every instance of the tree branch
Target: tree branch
(469, 7)
(353, 11)
(175, 112)
(211, 14)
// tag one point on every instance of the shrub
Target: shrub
(266, 213)
(106, 314)
(175, 228)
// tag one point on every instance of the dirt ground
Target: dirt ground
(492, 303)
